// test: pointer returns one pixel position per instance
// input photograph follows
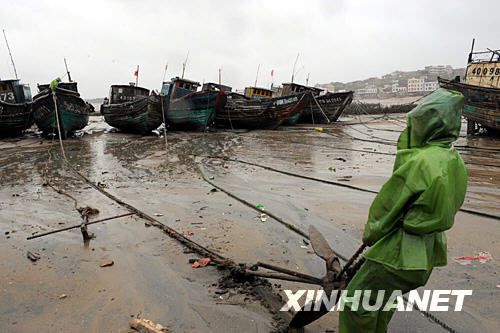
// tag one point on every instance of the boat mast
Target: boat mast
(10, 54)
(307, 78)
(184, 65)
(164, 73)
(67, 70)
(256, 76)
(295, 65)
(137, 77)
(470, 58)
(220, 73)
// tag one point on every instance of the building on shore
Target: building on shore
(369, 91)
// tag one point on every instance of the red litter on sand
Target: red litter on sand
(189, 234)
(201, 263)
(205, 261)
(482, 257)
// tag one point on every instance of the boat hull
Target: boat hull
(15, 118)
(332, 104)
(195, 111)
(140, 116)
(73, 112)
(481, 105)
(266, 113)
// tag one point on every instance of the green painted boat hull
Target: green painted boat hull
(292, 120)
(15, 118)
(139, 116)
(195, 111)
(73, 112)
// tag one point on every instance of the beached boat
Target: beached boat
(15, 107)
(332, 104)
(189, 109)
(132, 109)
(481, 90)
(73, 111)
(263, 113)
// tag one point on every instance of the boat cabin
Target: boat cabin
(11, 91)
(256, 93)
(215, 86)
(294, 88)
(483, 69)
(126, 93)
(64, 85)
(179, 87)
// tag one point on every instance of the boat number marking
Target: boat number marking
(9, 96)
(486, 71)
(285, 101)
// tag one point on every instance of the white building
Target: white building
(431, 86)
(368, 91)
(397, 89)
(415, 85)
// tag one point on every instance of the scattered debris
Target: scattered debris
(319, 129)
(195, 264)
(260, 206)
(263, 217)
(189, 234)
(214, 190)
(107, 263)
(229, 303)
(211, 177)
(341, 159)
(62, 296)
(147, 326)
(31, 256)
(158, 214)
(204, 262)
(221, 291)
(166, 170)
(482, 257)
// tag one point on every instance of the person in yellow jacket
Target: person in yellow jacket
(409, 215)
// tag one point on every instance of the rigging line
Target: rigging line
(357, 188)
(216, 257)
(272, 215)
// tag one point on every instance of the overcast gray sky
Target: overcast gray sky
(104, 41)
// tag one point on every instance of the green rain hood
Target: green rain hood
(408, 217)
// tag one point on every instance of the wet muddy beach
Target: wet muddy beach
(67, 290)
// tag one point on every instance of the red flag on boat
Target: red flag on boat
(272, 72)
(136, 73)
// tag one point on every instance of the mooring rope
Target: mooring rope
(357, 188)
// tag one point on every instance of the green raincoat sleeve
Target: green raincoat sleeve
(408, 217)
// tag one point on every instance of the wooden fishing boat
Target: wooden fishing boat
(332, 104)
(263, 113)
(189, 109)
(15, 108)
(73, 112)
(481, 90)
(132, 109)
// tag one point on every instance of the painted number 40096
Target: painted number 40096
(486, 71)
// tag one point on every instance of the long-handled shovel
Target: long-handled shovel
(336, 278)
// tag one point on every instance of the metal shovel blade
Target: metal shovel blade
(319, 244)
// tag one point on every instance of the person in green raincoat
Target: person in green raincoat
(408, 217)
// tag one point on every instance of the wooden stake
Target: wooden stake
(77, 226)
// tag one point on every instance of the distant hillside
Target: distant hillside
(429, 73)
